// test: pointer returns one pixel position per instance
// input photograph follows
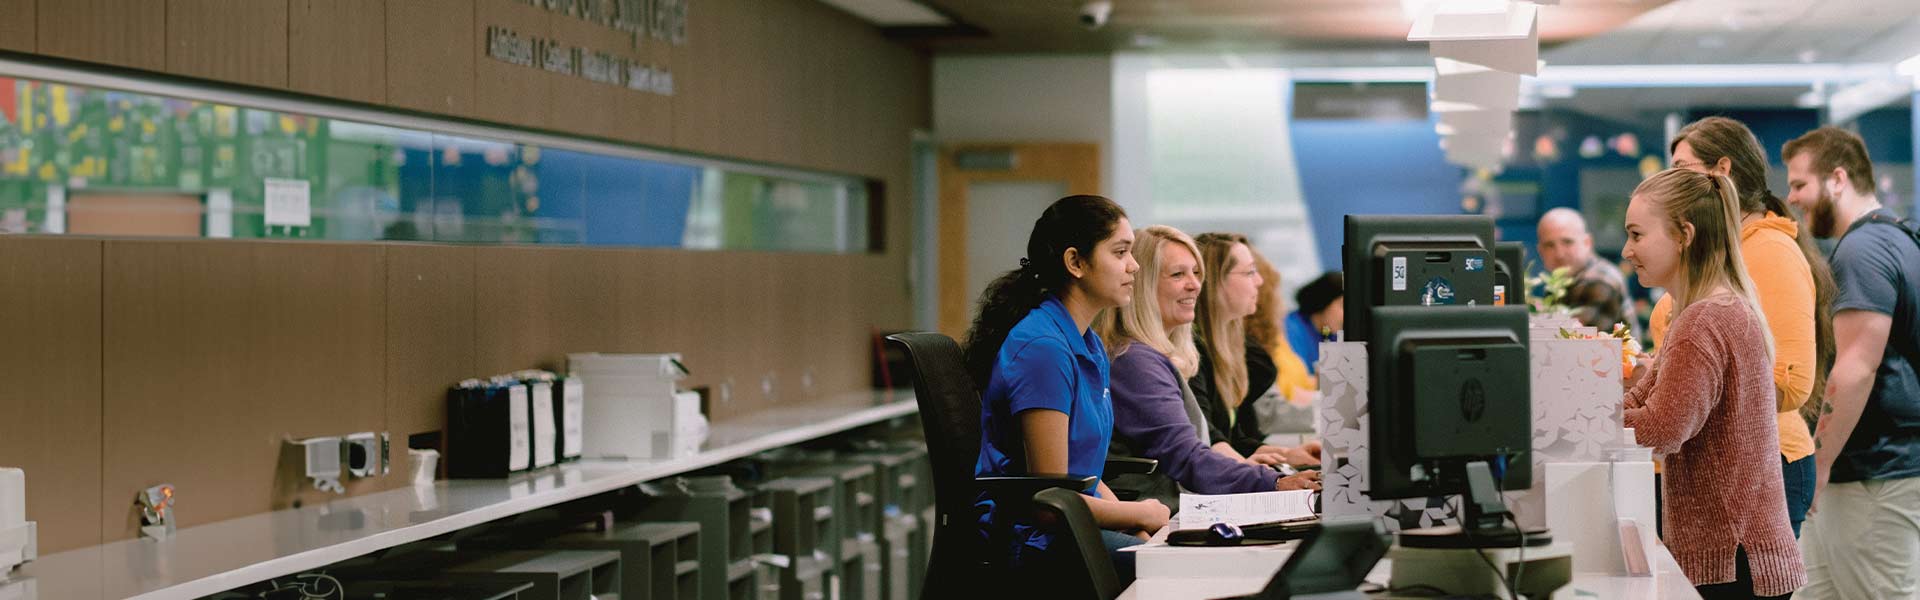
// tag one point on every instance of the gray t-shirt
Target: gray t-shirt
(1876, 267)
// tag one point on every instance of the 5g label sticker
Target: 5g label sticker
(1399, 273)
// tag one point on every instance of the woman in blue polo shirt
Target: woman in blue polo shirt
(1046, 407)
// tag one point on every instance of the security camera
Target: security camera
(1093, 15)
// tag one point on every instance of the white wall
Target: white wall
(1027, 98)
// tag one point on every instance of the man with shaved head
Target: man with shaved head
(1598, 296)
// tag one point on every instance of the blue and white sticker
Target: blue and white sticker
(1475, 263)
(1437, 291)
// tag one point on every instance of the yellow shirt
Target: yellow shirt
(1293, 371)
(1784, 284)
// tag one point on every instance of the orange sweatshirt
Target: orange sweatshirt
(1784, 283)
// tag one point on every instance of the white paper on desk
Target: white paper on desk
(1198, 511)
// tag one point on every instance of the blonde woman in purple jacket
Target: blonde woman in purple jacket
(1154, 414)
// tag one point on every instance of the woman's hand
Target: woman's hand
(1642, 364)
(1304, 480)
(1150, 515)
(1300, 456)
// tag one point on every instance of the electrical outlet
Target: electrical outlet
(363, 455)
(323, 458)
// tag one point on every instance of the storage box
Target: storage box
(488, 431)
(633, 410)
(568, 404)
(546, 440)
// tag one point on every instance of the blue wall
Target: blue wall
(1370, 167)
(626, 202)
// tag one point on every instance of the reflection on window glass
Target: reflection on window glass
(66, 148)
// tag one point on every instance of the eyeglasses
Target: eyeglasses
(1690, 166)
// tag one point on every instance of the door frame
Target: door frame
(1075, 163)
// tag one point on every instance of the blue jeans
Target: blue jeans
(1031, 559)
(1122, 561)
(1799, 475)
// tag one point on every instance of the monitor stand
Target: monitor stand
(1460, 559)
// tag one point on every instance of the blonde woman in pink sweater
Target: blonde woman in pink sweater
(1707, 404)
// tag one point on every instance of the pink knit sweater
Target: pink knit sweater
(1708, 407)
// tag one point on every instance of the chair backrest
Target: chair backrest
(950, 415)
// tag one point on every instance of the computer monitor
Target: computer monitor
(1510, 272)
(1330, 564)
(1414, 261)
(1449, 402)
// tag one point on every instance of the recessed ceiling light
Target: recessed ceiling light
(892, 13)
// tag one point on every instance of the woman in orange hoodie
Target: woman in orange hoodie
(1791, 279)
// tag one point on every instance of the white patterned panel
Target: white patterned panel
(1553, 321)
(1576, 399)
(1576, 414)
(1342, 409)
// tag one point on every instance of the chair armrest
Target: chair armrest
(1013, 495)
(1020, 489)
(1120, 465)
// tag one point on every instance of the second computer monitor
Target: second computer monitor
(1415, 260)
(1447, 385)
(1510, 272)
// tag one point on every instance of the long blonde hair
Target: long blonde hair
(1226, 339)
(1712, 205)
(1267, 329)
(1140, 321)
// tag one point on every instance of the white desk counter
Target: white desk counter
(216, 557)
(1667, 582)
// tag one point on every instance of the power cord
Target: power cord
(1519, 559)
(1512, 585)
(1482, 553)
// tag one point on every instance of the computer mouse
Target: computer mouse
(1225, 534)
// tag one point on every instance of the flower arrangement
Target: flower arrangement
(1629, 346)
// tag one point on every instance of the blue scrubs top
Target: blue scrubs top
(1046, 363)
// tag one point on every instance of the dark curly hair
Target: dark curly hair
(1078, 222)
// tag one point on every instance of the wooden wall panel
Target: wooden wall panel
(721, 104)
(17, 30)
(651, 120)
(50, 311)
(431, 53)
(242, 343)
(430, 333)
(586, 107)
(507, 92)
(216, 353)
(127, 33)
(510, 308)
(338, 48)
(583, 310)
(798, 110)
(241, 41)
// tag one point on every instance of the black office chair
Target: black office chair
(962, 563)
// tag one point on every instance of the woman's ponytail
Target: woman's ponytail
(1078, 222)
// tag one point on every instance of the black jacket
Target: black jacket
(1244, 432)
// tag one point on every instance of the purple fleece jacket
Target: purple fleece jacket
(1150, 419)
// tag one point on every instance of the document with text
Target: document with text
(1198, 511)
